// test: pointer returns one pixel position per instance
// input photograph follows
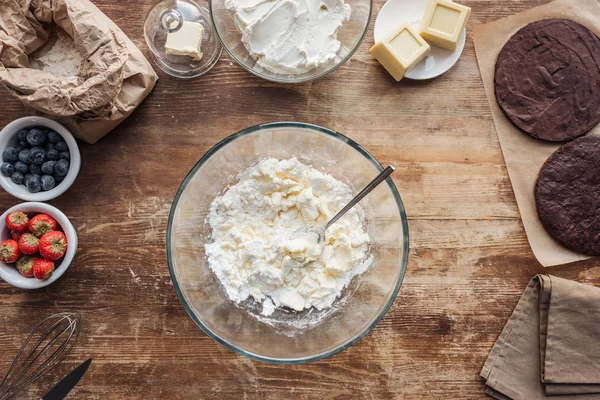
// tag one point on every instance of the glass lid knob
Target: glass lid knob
(171, 20)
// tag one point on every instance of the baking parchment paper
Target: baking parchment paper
(524, 155)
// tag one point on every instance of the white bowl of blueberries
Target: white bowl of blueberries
(40, 159)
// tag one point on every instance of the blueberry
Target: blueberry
(35, 169)
(21, 167)
(10, 154)
(7, 169)
(34, 183)
(58, 179)
(36, 137)
(18, 148)
(55, 137)
(24, 144)
(22, 135)
(32, 152)
(48, 167)
(62, 146)
(26, 178)
(24, 156)
(37, 155)
(65, 155)
(61, 168)
(39, 158)
(48, 182)
(17, 178)
(52, 155)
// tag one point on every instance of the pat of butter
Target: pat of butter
(443, 23)
(186, 41)
(401, 51)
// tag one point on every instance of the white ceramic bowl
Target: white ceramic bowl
(8, 137)
(10, 274)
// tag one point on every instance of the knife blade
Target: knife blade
(62, 388)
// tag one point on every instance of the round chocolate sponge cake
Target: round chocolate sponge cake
(547, 79)
(567, 195)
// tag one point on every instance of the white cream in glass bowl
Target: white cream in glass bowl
(291, 41)
(306, 324)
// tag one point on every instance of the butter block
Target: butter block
(443, 23)
(401, 51)
(186, 41)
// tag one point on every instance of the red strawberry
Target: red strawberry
(9, 251)
(42, 224)
(17, 221)
(15, 235)
(28, 244)
(25, 265)
(53, 245)
(42, 269)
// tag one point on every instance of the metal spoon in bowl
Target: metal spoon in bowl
(320, 231)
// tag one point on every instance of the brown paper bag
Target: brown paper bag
(113, 81)
(524, 155)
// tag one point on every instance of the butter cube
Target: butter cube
(186, 41)
(401, 51)
(443, 23)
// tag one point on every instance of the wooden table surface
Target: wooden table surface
(469, 259)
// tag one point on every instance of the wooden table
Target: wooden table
(469, 259)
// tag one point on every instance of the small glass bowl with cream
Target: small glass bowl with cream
(181, 38)
(313, 169)
(291, 41)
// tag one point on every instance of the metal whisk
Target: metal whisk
(46, 346)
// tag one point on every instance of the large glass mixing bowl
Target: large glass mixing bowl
(351, 35)
(286, 337)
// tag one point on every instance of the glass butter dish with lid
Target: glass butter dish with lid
(181, 38)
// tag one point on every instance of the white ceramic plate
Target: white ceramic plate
(438, 60)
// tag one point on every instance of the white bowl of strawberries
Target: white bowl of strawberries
(37, 245)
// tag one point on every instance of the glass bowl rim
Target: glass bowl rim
(403, 262)
(292, 80)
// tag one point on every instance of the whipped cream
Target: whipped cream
(254, 253)
(290, 36)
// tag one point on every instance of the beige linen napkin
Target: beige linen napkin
(550, 346)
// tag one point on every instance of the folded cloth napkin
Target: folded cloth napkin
(550, 346)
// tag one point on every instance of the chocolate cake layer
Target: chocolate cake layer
(567, 195)
(547, 79)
